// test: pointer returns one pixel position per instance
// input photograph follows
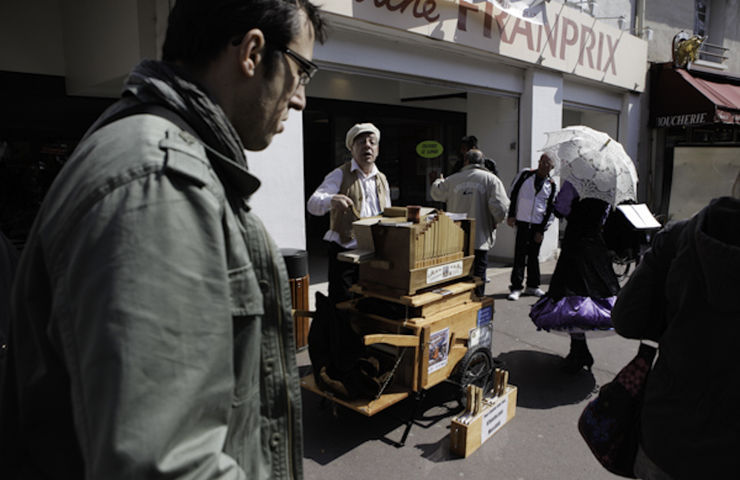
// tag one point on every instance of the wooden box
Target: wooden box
(439, 334)
(467, 435)
(412, 256)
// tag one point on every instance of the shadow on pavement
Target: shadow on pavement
(331, 430)
(541, 383)
(437, 452)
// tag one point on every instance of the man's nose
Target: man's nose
(298, 100)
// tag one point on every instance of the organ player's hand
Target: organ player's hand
(341, 202)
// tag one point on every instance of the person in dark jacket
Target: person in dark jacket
(583, 287)
(684, 295)
(151, 328)
(530, 212)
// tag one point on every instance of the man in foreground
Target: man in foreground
(151, 334)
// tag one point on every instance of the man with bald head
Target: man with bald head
(480, 194)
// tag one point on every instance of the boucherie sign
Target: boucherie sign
(558, 37)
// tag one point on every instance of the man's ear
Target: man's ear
(251, 51)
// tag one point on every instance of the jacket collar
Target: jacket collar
(355, 166)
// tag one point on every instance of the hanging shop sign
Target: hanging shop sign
(684, 120)
(686, 98)
(553, 35)
(429, 149)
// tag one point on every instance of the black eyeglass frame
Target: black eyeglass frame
(308, 68)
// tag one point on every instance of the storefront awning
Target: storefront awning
(686, 98)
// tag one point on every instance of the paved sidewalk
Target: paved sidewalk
(541, 442)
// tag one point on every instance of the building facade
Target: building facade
(691, 120)
(425, 71)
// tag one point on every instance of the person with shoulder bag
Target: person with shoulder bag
(683, 295)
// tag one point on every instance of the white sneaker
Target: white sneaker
(514, 295)
(537, 292)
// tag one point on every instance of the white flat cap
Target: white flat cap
(357, 129)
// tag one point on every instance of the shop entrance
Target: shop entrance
(325, 123)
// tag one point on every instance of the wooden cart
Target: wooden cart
(438, 335)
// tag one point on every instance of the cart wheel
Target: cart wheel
(475, 368)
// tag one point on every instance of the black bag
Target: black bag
(610, 424)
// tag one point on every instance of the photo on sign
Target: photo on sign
(473, 338)
(484, 332)
(438, 349)
(481, 336)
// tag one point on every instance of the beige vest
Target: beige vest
(341, 222)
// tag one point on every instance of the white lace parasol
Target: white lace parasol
(594, 163)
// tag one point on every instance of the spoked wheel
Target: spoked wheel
(475, 368)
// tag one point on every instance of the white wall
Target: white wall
(603, 122)
(629, 130)
(541, 111)
(451, 65)
(495, 121)
(101, 44)
(668, 17)
(31, 37)
(279, 202)
(93, 43)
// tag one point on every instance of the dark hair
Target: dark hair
(490, 164)
(198, 30)
(474, 156)
(470, 141)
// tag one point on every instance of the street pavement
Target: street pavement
(540, 442)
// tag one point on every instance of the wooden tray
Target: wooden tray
(363, 406)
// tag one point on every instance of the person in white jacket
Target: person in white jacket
(532, 196)
(481, 195)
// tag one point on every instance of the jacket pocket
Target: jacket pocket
(243, 441)
(246, 296)
(246, 311)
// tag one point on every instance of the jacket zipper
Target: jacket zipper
(283, 367)
(534, 198)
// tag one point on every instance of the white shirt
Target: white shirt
(320, 201)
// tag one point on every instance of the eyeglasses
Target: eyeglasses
(308, 68)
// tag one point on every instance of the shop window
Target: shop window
(701, 18)
(402, 129)
(709, 21)
(700, 173)
(604, 121)
(39, 127)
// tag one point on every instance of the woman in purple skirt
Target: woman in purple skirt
(583, 287)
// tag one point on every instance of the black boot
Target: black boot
(579, 356)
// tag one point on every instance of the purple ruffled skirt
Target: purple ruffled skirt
(573, 313)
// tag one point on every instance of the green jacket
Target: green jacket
(152, 333)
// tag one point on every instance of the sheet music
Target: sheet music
(639, 216)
